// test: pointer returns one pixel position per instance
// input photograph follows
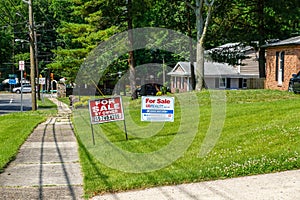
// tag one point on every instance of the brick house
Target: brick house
(282, 60)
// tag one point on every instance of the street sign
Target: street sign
(106, 110)
(42, 81)
(12, 81)
(21, 65)
(12, 76)
(157, 109)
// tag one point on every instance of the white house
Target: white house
(221, 75)
(216, 76)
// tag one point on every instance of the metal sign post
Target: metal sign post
(106, 110)
(42, 82)
(21, 68)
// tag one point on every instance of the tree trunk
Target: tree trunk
(200, 66)
(131, 61)
(200, 43)
(261, 30)
(192, 50)
(199, 18)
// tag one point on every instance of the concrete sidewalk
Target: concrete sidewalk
(47, 165)
(276, 186)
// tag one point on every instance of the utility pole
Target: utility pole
(36, 63)
(32, 53)
(164, 72)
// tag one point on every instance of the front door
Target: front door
(280, 68)
(279, 75)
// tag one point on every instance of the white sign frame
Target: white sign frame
(21, 65)
(157, 109)
(106, 110)
(42, 81)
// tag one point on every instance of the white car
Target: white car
(26, 88)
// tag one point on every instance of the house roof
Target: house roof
(290, 41)
(211, 69)
(231, 47)
(249, 65)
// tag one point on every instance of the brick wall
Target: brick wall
(291, 66)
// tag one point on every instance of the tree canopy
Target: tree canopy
(68, 30)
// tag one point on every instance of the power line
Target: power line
(38, 5)
(14, 24)
(7, 11)
(53, 26)
(14, 5)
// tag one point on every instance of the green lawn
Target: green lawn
(16, 127)
(261, 134)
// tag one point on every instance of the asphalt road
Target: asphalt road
(11, 102)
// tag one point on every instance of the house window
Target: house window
(181, 82)
(188, 84)
(244, 83)
(279, 77)
(222, 83)
(174, 82)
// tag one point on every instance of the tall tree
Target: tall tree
(253, 23)
(201, 27)
(131, 61)
(261, 39)
(90, 22)
(192, 53)
(170, 14)
(83, 25)
(135, 10)
(12, 26)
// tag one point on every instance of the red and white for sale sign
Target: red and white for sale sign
(106, 110)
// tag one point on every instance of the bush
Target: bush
(83, 102)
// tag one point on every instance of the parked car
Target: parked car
(26, 88)
(294, 84)
(149, 89)
(1, 87)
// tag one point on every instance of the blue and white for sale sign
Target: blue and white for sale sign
(157, 109)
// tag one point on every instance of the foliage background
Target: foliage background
(69, 29)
